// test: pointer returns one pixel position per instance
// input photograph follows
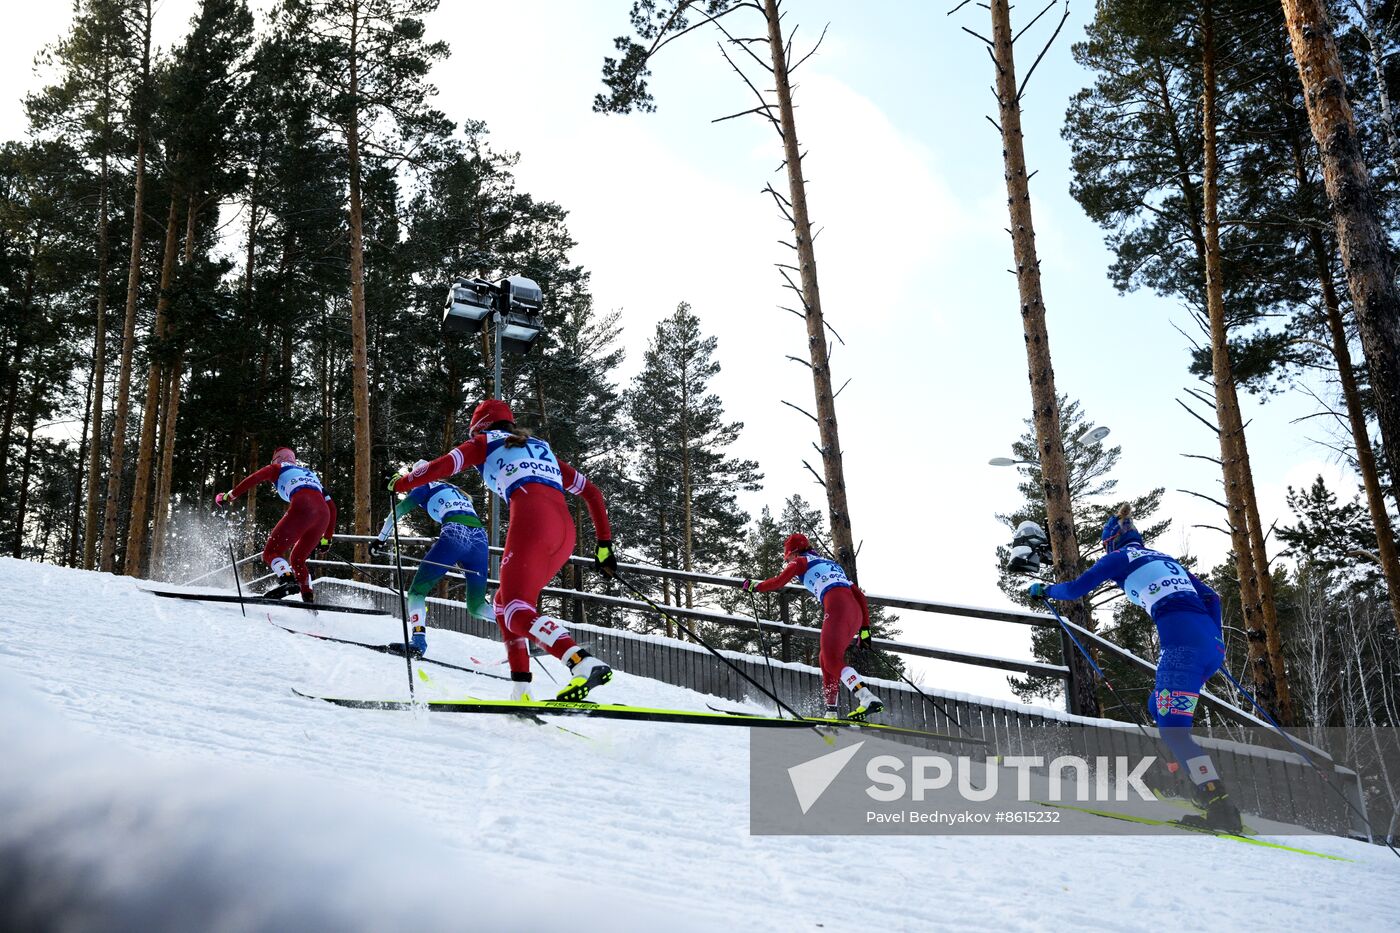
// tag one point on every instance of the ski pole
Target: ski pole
(237, 578)
(403, 600)
(708, 647)
(1094, 664)
(927, 699)
(762, 641)
(1304, 755)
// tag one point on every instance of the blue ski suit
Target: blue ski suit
(1187, 614)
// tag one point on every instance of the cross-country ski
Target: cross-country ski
(552, 466)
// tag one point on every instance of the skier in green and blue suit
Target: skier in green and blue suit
(461, 543)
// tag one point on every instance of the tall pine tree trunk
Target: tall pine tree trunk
(1233, 455)
(359, 366)
(164, 479)
(833, 472)
(75, 534)
(111, 512)
(150, 414)
(99, 369)
(1361, 234)
(25, 471)
(1054, 471)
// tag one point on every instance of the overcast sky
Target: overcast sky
(905, 180)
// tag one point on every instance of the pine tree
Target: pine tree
(686, 494)
(95, 63)
(373, 59)
(1091, 489)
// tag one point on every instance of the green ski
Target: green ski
(533, 708)
(1150, 821)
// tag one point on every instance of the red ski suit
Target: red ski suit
(310, 516)
(539, 540)
(844, 612)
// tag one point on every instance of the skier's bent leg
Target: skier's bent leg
(1173, 706)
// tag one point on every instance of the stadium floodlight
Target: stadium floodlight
(469, 303)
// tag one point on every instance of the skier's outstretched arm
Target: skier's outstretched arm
(1210, 597)
(266, 475)
(330, 523)
(788, 574)
(468, 453)
(1109, 567)
(576, 484)
(401, 508)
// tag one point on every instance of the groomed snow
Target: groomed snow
(160, 775)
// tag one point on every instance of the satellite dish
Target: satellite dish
(1092, 436)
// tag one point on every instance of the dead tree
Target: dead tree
(658, 25)
(1054, 469)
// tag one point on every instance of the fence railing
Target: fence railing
(1272, 784)
(1275, 783)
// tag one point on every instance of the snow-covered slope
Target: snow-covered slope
(158, 773)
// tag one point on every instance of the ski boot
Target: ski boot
(520, 688)
(1221, 815)
(588, 673)
(418, 644)
(286, 585)
(308, 597)
(831, 712)
(869, 705)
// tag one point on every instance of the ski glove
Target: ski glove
(224, 499)
(747, 586)
(605, 560)
(1038, 590)
(865, 636)
(394, 481)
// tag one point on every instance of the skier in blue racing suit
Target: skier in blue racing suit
(462, 543)
(1187, 614)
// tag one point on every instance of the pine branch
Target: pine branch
(1199, 495)
(802, 410)
(796, 359)
(1021, 91)
(812, 52)
(814, 473)
(1035, 19)
(1198, 417)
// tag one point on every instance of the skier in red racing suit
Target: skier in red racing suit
(525, 472)
(308, 522)
(845, 614)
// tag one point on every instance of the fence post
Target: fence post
(785, 651)
(1071, 682)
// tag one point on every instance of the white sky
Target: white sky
(905, 178)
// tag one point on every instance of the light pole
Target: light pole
(1031, 546)
(1090, 436)
(513, 306)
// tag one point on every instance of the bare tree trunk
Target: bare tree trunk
(164, 480)
(1054, 471)
(150, 414)
(99, 370)
(111, 511)
(359, 366)
(22, 507)
(1361, 235)
(1233, 456)
(7, 422)
(76, 521)
(834, 477)
(1375, 54)
(1361, 437)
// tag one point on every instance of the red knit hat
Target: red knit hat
(488, 413)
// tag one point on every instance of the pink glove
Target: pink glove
(223, 499)
(747, 586)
